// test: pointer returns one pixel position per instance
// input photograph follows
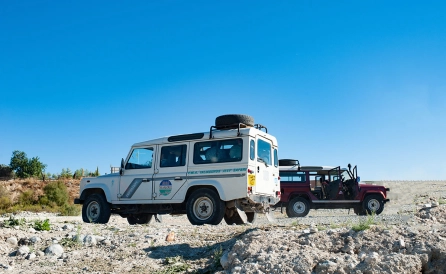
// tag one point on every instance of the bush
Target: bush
(56, 192)
(5, 200)
(42, 225)
(70, 210)
(26, 198)
(13, 222)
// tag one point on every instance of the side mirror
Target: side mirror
(358, 179)
(121, 170)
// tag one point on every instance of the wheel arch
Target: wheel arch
(207, 184)
(191, 189)
(369, 193)
(95, 190)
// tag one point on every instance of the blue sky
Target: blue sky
(336, 82)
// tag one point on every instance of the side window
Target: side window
(292, 176)
(173, 156)
(252, 149)
(140, 158)
(264, 152)
(276, 160)
(218, 151)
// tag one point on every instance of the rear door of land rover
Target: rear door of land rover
(266, 167)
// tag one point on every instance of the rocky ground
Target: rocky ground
(408, 237)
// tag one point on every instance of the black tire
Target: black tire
(359, 211)
(232, 119)
(252, 217)
(288, 162)
(298, 207)
(204, 206)
(96, 209)
(232, 217)
(373, 204)
(140, 219)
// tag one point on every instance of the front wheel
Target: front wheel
(96, 209)
(140, 219)
(373, 204)
(205, 207)
(298, 207)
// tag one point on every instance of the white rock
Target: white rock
(372, 258)
(402, 243)
(427, 205)
(35, 239)
(32, 230)
(54, 250)
(435, 204)
(31, 256)
(40, 253)
(90, 240)
(23, 250)
(224, 260)
(12, 241)
(68, 227)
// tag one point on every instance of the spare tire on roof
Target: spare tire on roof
(288, 162)
(233, 119)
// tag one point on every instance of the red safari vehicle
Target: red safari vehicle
(314, 187)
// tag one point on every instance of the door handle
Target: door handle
(178, 178)
(258, 169)
(145, 180)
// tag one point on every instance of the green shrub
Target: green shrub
(56, 192)
(5, 200)
(70, 210)
(42, 225)
(26, 198)
(13, 222)
(365, 223)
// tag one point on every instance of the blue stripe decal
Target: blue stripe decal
(132, 188)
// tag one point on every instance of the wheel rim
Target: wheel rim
(93, 211)
(299, 207)
(373, 205)
(203, 208)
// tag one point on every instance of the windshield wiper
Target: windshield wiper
(262, 160)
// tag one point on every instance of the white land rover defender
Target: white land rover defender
(230, 172)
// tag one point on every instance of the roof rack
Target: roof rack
(237, 126)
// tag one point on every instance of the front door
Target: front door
(171, 171)
(137, 180)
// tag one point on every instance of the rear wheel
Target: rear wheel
(205, 207)
(96, 209)
(140, 219)
(298, 207)
(252, 217)
(373, 204)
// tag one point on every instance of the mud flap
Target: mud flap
(270, 215)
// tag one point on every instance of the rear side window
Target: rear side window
(252, 149)
(218, 151)
(173, 156)
(292, 176)
(276, 160)
(140, 158)
(264, 152)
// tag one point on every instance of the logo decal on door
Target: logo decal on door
(165, 187)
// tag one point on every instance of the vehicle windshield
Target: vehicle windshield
(345, 175)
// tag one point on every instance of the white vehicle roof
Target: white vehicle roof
(204, 136)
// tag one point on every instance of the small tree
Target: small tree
(66, 173)
(96, 172)
(25, 167)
